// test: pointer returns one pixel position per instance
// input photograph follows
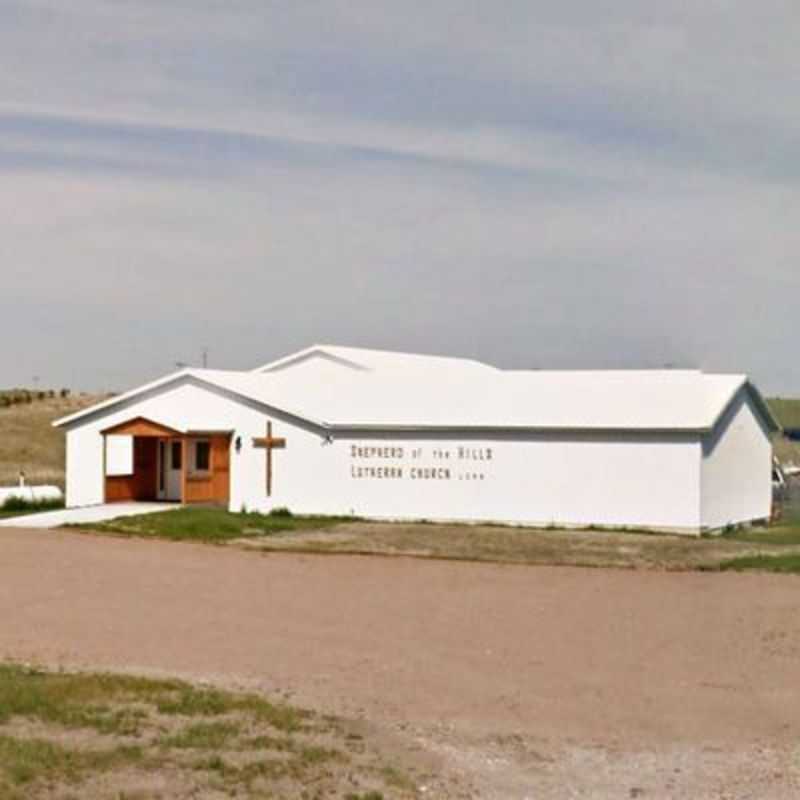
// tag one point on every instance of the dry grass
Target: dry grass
(590, 548)
(493, 543)
(28, 441)
(99, 735)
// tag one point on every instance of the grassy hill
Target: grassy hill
(28, 442)
(787, 412)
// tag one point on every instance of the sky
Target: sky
(580, 184)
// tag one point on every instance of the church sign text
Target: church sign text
(419, 463)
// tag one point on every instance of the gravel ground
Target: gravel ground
(540, 682)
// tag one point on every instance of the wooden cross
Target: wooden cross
(269, 443)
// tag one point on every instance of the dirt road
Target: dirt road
(526, 681)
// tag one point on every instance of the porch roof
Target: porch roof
(141, 426)
(144, 427)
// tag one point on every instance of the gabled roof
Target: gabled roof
(366, 360)
(347, 388)
(117, 399)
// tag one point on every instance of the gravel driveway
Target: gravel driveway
(525, 681)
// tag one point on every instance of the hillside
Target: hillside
(787, 412)
(28, 442)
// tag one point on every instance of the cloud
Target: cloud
(573, 185)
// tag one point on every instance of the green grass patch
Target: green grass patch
(19, 506)
(788, 564)
(786, 410)
(204, 736)
(102, 702)
(69, 701)
(23, 761)
(59, 731)
(198, 702)
(784, 532)
(778, 535)
(203, 524)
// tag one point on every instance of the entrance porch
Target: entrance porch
(146, 461)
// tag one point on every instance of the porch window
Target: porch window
(202, 456)
(119, 456)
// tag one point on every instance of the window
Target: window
(177, 455)
(162, 465)
(202, 456)
(119, 455)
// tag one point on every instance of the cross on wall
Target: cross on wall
(269, 443)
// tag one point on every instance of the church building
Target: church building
(347, 431)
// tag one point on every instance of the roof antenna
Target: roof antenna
(205, 358)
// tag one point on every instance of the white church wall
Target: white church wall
(637, 481)
(737, 468)
(84, 467)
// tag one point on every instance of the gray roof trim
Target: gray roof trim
(763, 406)
(497, 429)
(760, 403)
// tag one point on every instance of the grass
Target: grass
(25, 761)
(786, 564)
(211, 525)
(332, 535)
(365, 796)
(784, 535)
(83, 701)
(68, 734)
(585, 548)
(29, 443)
(786, 410)
(204, 736)
(18, 506)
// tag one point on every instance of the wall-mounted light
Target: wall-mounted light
(327, 439)
(238, 444)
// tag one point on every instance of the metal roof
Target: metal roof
(347, 388)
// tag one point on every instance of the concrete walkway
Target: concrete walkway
(87, 514)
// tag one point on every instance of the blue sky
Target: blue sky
(580, 184)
